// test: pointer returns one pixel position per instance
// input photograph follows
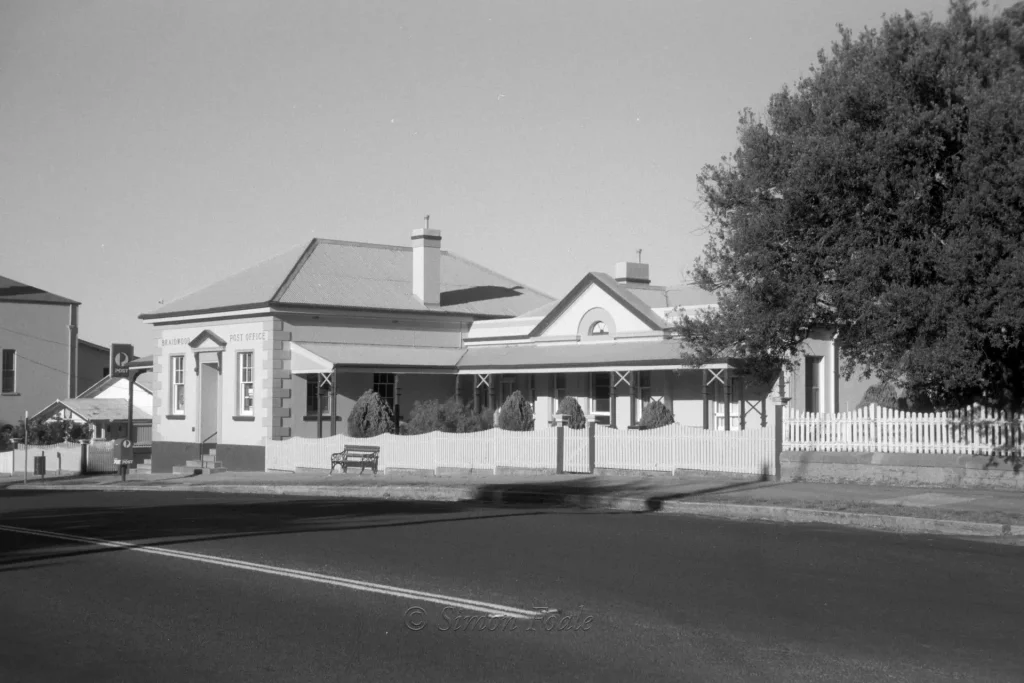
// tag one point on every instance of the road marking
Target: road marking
(337, 581)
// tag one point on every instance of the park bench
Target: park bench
(363, 456)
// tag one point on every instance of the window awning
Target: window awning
(314, 357)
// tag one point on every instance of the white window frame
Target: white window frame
(13, 370)
(244, 381)
(177, 368)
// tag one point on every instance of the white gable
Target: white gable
(141, 398)
(594, 304)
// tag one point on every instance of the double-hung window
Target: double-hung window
(317, 392)
(384, 384)
(8, 385)
(643, 387)
(245, 385)
(177, 385)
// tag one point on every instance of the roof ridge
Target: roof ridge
(296, 267)
(227, 277)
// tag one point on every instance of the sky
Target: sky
(148, 149)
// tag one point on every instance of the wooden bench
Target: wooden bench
(363, 456)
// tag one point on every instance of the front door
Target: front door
(601, 397)
(209, 400)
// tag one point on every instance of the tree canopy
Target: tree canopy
(881, 196)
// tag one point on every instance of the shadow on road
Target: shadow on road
(587, 492)
(154, 522)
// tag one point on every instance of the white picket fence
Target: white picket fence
(973, 430)
(487, 450)
(100, 457)
(679, 447)
(667, 449)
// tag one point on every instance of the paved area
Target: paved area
(968, 505)
(198, 586)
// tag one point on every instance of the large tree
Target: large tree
(881, 196)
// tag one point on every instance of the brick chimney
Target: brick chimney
(426, 265)
(629, 273)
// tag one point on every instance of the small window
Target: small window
(599, 328)
(177, 385)
(643, 387)
(8, 385)
(245, 384)
(315, 390)
(812, 385)
(560, 392)
(384, 384)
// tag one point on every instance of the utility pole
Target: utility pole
(25, 435)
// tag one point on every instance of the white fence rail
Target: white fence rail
(974, 430)
(667, 449)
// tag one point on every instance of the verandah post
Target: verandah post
(334, 402)
(591, 443)
(704, 394)
(559, 443)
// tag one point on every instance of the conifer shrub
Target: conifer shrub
(370, 416)
(516, 413)
(574, 417)
(656, 414)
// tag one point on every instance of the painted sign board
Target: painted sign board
(120, 356)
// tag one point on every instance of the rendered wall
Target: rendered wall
(253, 335)
(38, 333)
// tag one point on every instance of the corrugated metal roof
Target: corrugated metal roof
(90, 409)
(660, 352)
(12, 290)
(380, 355)
(341, 274)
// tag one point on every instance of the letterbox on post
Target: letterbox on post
(124, 456)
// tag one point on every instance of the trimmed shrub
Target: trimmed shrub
(370, 416)
(883, 394)
(656, 414)
(574, 417)
(516, 413)
(451, 416)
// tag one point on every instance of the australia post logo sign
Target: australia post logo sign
(120, 356)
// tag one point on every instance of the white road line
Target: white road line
(364, 586)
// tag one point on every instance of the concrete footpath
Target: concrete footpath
(957, 512)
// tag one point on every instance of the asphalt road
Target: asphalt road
(240, 588)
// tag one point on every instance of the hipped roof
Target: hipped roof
(356, 275)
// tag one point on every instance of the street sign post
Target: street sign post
(120, 356)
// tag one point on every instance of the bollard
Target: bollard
(58, 464)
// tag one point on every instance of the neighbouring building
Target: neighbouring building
(104, 406)
(284, 348)
(41, 357)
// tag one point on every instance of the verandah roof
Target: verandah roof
(323, 357)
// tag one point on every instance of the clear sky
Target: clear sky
(150, 148)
